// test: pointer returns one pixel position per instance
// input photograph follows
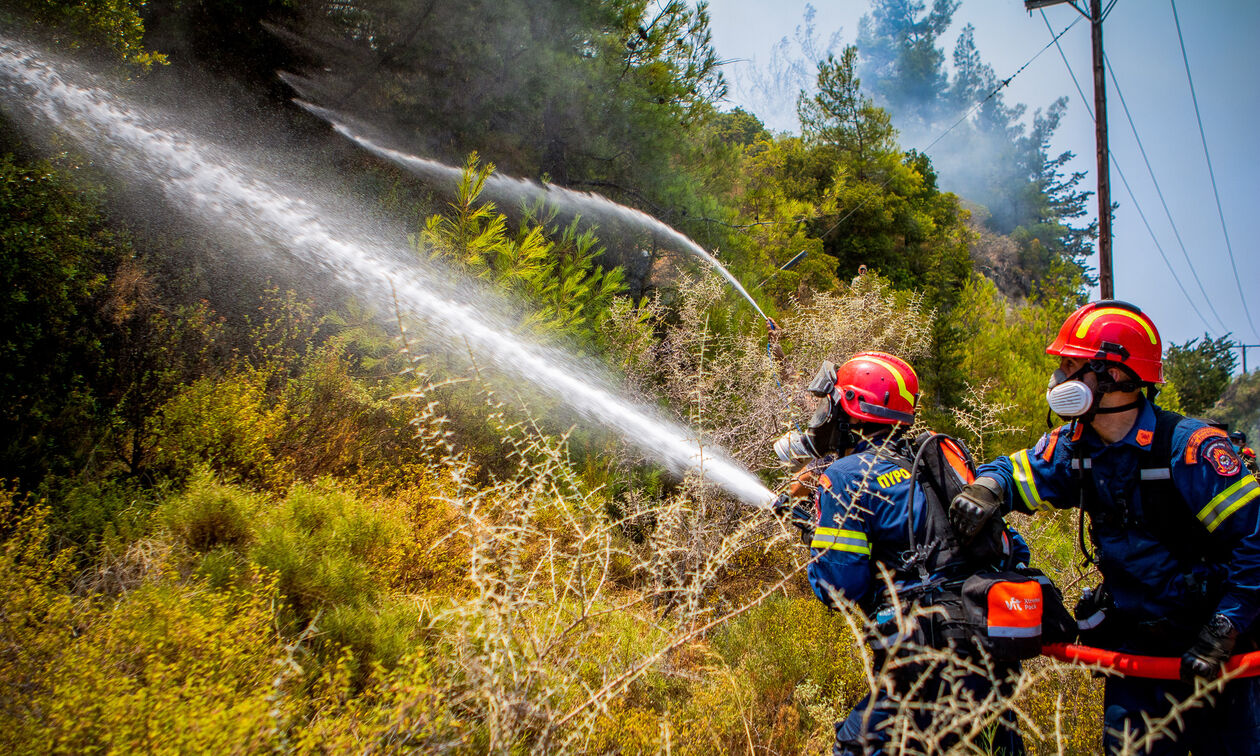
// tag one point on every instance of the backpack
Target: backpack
(985, 601)
(941, 467)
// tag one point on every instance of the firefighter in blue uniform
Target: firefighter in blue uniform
(1174, 525)
(859, 521)
(1244, 452)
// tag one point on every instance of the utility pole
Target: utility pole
(1243, 348)
(1095, 16)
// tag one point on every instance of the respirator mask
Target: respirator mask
(1071, 397)
(828, 429)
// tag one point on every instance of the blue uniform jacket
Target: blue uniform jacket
(864, 501)
(1146, 580)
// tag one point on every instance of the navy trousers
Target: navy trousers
(1227, 726)
(867, 729)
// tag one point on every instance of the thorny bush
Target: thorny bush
(508, 613)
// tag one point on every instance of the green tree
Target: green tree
(58, 255)
(843, 118)
(613, 96)
(92, 346)
(554, 271)
(1239, 406)
(739, 127)
(112, 29)
(1200, 370)
(900, 58)
(990, 157)
(785, 186)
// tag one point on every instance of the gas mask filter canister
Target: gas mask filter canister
(1068, 398)
(794, 447)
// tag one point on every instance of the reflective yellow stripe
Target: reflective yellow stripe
(838, 539)
(1089, 319)
(901, 380)
(1228, 501)
(1025, 483)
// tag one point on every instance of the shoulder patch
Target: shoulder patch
(1045, 447)
(824, 482)
(1197, 440)
(1221, 454)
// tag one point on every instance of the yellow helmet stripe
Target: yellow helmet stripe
(1089, 319)
(901, 379)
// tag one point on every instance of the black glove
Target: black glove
(1207, 657)
(973, 507)
(799, 515)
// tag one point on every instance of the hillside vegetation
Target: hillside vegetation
(241, 515)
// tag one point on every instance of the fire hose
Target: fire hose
(1135, 665)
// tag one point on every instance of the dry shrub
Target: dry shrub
(868, 316)
(566, 618)
(728, 386)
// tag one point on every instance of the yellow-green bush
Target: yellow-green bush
(168, 668)
(334, 558)
(276, 423)
(227, 423)
(328, 548)
(38, 615)
(210, 515)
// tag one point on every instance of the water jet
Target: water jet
(213, 184)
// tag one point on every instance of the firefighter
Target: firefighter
(859, 523)
(1244, 452)
(1174, 526)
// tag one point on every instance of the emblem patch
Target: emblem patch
(1049, 441)
(1198, 442)
(1221, 454)
(1041, 445)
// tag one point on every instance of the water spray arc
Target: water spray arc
(214, 185)
(580, 202)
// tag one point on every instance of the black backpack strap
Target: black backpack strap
(934, 548)
(1157, 463)
(1165, 513)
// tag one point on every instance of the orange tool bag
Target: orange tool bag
(1004, 611)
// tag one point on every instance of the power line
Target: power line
(1129, 189)
(1203, 136)
(1160, 193)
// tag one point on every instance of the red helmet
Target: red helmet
(1113, 331)
(877, 388)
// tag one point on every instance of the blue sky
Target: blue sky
(1140, 39)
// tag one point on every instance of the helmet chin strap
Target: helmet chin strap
(1121, 408)
(1107, 385)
